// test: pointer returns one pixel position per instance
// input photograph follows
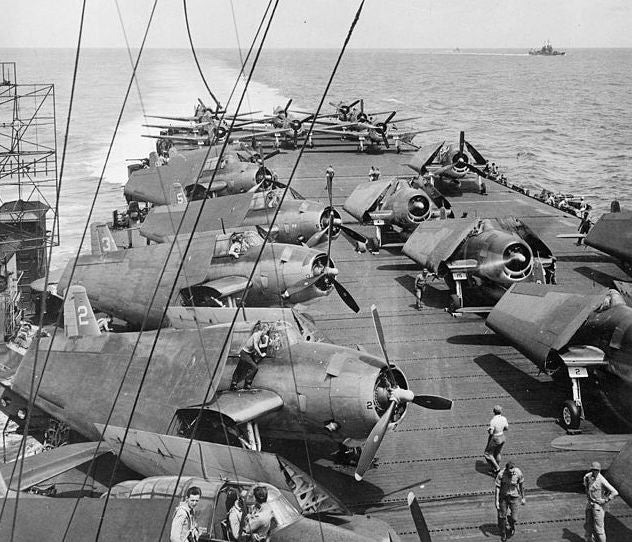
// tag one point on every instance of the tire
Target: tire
(571, 415)
(455, 303)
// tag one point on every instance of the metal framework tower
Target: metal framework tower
(28, 190)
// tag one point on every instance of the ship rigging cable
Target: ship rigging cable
(22, 447)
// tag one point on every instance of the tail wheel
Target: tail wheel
(571, 415)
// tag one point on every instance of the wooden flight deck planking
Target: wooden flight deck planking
(438, 454)
(462, 359)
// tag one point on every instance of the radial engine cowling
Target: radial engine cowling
(502, 257)
(359, 399)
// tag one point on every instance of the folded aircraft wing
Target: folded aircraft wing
(538, 319)
(364, 197)
(620, 473)
(123, 283)
(435, 241)
(424, 157)
(40, 467)
(227, 212)
(612, 234)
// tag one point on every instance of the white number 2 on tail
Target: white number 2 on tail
(82, 312)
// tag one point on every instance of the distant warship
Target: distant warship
(546, 50)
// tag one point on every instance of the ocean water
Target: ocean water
(564, 123)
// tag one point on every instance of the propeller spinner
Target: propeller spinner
(392, 390)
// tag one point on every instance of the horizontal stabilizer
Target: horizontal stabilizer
(153, 454)
(474, 310)
(591, 443)
(46, 465)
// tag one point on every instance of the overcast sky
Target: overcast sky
(324, 23)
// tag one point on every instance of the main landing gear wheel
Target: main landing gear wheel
(455, 303)
(571, 415)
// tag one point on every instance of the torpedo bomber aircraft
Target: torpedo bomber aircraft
(122, 283)
(303, 388)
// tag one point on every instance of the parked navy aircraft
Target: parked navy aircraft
(122, 283)
(302, 388)
(587, 336)
(298, 221)
(154, 184)
(483, 255)
(448, 165)
(141, 508)
(397, 205)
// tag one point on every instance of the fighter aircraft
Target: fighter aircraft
(154, 184)
(122, 283)
(448, 165)
(371, 135)
(397, 205)
(298, 221)
(587, 336)
(284, 126)
(216, 469)
(482, 255)
(302, 389)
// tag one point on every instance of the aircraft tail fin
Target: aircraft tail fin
(79, 319)
(101, 239)
(177, 197)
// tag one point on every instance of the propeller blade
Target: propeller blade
(377, 323)
(477, 171)
(353, 234)
(345, 296)
(353, 103)
(461, 141)
(316, 239)
(330, 226)
(477, 155)
(270, 154)
(385, 140)
(433, 402)
(373, 443)
(287, 106)
(418, 518)
(388, 119)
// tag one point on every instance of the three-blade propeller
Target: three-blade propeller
(396, 395)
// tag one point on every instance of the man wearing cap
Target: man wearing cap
(599, 493)
(496, 440)
(509, 490)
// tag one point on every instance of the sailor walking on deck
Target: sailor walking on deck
(496, 440)
(509, 490)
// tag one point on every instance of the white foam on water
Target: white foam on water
(175, 94)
